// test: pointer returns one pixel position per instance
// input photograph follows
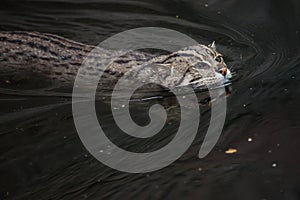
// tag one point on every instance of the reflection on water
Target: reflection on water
(43, 158)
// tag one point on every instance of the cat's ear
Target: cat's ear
(213, 45)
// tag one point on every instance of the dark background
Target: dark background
(41, 156)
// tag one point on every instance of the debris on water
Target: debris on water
(231, 151)
(270, 151)
(199, 169)
(123, 106)
(177, 16)
(278, 145)
(206, 5)
(65, 137)
(250, 140)
(251, 88)
(274, 165)
(244, 105)
(101, 151)
(7, 82)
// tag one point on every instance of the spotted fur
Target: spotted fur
(60, 58)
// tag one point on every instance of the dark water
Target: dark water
(42, 156)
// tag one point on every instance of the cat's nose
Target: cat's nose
(225, 72)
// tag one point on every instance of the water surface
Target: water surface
(42, 156)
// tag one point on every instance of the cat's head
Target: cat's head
(202, 65)
(220, 63)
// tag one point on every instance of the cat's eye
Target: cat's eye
(218, 59)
